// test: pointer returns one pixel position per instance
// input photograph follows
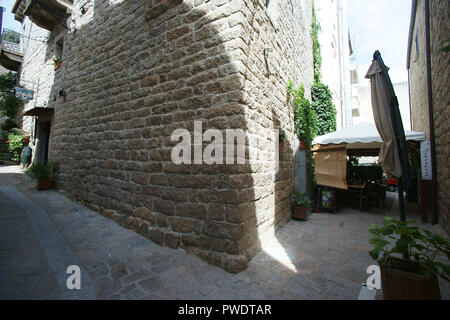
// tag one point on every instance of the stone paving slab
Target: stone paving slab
(323, 258)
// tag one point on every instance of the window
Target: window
(57, 58)
(417, 45)
(273, 12)
(59, 47)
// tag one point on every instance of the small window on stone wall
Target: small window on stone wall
(417, 46)
(57, 57)
(273, 11)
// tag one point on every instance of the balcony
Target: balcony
(11, 54)
(44, 13)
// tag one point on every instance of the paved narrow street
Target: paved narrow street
(42, 233)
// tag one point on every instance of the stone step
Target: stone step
(8, 163)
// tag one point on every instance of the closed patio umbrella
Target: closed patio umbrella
(393, 152)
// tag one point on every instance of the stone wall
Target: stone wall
(278, 49)
(418, 74)
(135, 71)
(440, 27)
(37, 73)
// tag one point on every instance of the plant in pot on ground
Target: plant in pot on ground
(44, 173)
(300, 201)
(408, 260)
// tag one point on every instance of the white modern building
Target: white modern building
(336, 53)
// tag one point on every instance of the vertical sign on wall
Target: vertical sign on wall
(425, 160)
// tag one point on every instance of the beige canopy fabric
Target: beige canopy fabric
(331, 167)
(381, 104)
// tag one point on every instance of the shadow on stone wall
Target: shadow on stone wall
(133, 74)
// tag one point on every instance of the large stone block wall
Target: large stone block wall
(278, 49)
(418, 75)
(440, 28)
(135, 71)
(439, 25)
(37, 73)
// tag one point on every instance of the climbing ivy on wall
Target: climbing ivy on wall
(315, 28)
(304, 117)
(322, 104)
(322, 101)
(9, 104)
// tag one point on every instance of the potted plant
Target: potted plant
(302, 145)
(44, 173)
(407, 259)
(300, 203)
(57, 61)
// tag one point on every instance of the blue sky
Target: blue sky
(8, 17)
(380, 25)
(374, 25)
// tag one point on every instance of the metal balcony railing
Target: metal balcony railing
(10, 41)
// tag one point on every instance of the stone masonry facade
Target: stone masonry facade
(440, 27)
(135, 71)
(439, 31)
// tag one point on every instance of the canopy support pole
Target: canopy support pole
(401, 200)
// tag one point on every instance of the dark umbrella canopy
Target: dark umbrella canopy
(394, 153)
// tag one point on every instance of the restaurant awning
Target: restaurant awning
(38, 111)
(361, 136)
(330, 151)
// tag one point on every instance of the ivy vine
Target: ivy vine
(9, 103)
(322, 104)
(317, 56)
(322, 101)
(305, 121)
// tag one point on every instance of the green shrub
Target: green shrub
(9, 103)
(9, 124)
(323, 107)
(398, 239)
(43, 170)
(301, 199)
(305, 119)
(15, 145)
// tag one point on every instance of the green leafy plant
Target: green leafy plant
(317, 56)
(305, 122)
(15, 145)
(323, 107)
(8, 124)
(300, 199)
(397, 239)
(322, 100)
(11, 36)
(282, 136)
(446, 48)
(304, 117)
(9, 103)
(43, 170)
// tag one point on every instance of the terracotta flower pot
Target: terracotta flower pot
(404, 280)
(300, 213)
(44, 184)
(302, 145)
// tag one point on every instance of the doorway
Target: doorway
(44, 139)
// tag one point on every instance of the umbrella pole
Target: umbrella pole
(401, 200)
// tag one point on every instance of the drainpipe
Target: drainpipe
(430, 111)
(410, 101)
(1, 20)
